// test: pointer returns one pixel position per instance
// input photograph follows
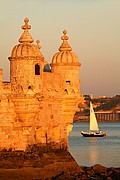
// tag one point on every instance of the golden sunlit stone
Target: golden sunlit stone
(65, 55)
(26, 37)
(37, 106)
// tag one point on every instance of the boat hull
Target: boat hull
(94, 129)
(93, 134)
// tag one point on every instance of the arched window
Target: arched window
(37, 69)
(29, 87)
(65, 91)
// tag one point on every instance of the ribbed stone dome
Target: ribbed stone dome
(26, 48)
(65, 55)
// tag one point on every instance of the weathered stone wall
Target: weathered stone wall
(23, 74)
(37, 107)
(31, 119)
(7, 119)
(53, 85)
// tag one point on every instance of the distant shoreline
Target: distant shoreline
(87, 119)
(79, 121)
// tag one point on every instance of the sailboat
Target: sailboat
(94, 129)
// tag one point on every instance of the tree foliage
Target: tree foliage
(109, 103)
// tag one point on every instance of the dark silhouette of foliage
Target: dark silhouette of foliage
(109, 104)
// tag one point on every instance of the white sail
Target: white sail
(93, 121)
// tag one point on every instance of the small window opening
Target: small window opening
(29, 87)
(37, 69)
(67, 82)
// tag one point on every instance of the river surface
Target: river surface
(88, 151)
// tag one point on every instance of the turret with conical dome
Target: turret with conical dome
(26, 63)
(66, 62)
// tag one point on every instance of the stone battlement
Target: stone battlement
(37, 106)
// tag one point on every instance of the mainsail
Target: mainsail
(93, 121)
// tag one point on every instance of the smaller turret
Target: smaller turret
(66, 62)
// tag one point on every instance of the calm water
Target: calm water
(88, 151)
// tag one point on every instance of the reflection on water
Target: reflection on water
(88, 151)
(93, 140)
(93, 155)
(92, 151)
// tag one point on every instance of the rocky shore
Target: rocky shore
(99, 172)
(49, 164)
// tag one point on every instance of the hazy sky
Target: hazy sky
(93, 28)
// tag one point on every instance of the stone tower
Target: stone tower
(26, 63)
(38, 104)
(67, 64)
